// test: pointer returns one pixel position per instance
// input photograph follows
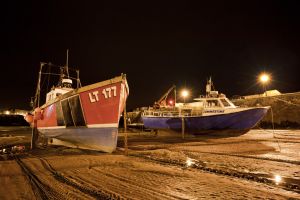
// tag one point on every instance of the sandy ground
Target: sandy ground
(258, 165)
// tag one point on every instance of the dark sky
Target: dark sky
(156, 44)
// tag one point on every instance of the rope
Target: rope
(272, 118)
(288, 102)
(273, 130)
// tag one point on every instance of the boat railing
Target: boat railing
(172, 113)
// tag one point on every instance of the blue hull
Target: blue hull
(100, 139)
(239, 121)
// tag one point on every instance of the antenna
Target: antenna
(67, 63)
(78, 80)
(208, 86)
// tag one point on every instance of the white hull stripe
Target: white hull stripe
(113, 125)
(52, 127)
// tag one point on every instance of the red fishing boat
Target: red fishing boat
(82, 117)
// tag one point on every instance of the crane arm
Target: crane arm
(162, 100)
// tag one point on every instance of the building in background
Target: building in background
(13, 117)
(267, 93)
(13, 111)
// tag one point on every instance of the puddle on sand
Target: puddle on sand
(278, 179)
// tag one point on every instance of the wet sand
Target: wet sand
(259, 164)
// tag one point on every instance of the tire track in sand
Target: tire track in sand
(40, 190)
(98, 194)
(143, 189)
(236, 174)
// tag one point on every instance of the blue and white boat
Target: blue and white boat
(213, 112)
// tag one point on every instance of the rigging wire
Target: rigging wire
(47, 78)
(273, 129)
(272, 118)
(47, 88)
(288, 102)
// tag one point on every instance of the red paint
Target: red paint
(49, 117)
(103, 111)
(96, 108)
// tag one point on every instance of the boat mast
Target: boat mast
(38, 88)
(175, 97)
(65, 80)
(208, 87)
(67, 64)
(78, 80)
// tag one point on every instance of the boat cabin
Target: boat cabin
(66, 86)
(214, 102)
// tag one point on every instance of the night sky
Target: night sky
(156, 44)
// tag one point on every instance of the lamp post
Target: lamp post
(184, 94)
(264, 78)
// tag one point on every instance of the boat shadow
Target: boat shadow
(135, 137)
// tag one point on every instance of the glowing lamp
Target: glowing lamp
(184, 93)
(264, 78)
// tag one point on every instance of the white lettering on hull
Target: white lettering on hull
(93, 97)
(214, 111)
(107, 93)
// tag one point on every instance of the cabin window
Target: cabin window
(213, 103)
(225, 103)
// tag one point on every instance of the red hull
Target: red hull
(94, 107)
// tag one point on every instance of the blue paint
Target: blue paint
(243, 120)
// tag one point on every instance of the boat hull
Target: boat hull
(240, 122)
(100, 139)
(86, 118)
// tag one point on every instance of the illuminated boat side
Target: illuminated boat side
(85, 117)
(88, 117)
(240, 121)
(211, 113)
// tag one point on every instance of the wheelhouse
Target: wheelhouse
(220, 102)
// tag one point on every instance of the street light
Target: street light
(184, 94)
(264, 78)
